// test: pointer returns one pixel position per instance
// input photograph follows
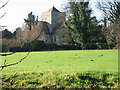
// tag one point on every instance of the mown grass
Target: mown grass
(62, 70)
(55, 80)
(64, 61)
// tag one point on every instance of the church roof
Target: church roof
(53, 9)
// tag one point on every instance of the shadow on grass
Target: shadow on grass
(54, 80)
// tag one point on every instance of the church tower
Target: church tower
(53, 17)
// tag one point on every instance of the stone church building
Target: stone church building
(55, 22)
(51, 29)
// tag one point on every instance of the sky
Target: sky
(17, 10)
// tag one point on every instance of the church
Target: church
(55, 23)
(50, 27)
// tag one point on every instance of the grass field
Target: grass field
(93, 69)
(64, 61)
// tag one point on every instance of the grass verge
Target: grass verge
(54, 80)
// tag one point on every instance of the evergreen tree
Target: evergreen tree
(30, 21)
(83, 28)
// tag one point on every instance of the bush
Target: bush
(5, 48)
(16, 49)
(42, 46)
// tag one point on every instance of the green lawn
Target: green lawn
(64, 61)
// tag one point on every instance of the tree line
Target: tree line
(84, 30)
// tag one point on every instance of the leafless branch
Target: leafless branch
(2, 7)
(4, 4)
(3, 15)
(7, 54)
(5, 62)
(3, 66)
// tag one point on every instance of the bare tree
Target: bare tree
(111, 21)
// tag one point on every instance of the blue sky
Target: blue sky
(17, 10)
